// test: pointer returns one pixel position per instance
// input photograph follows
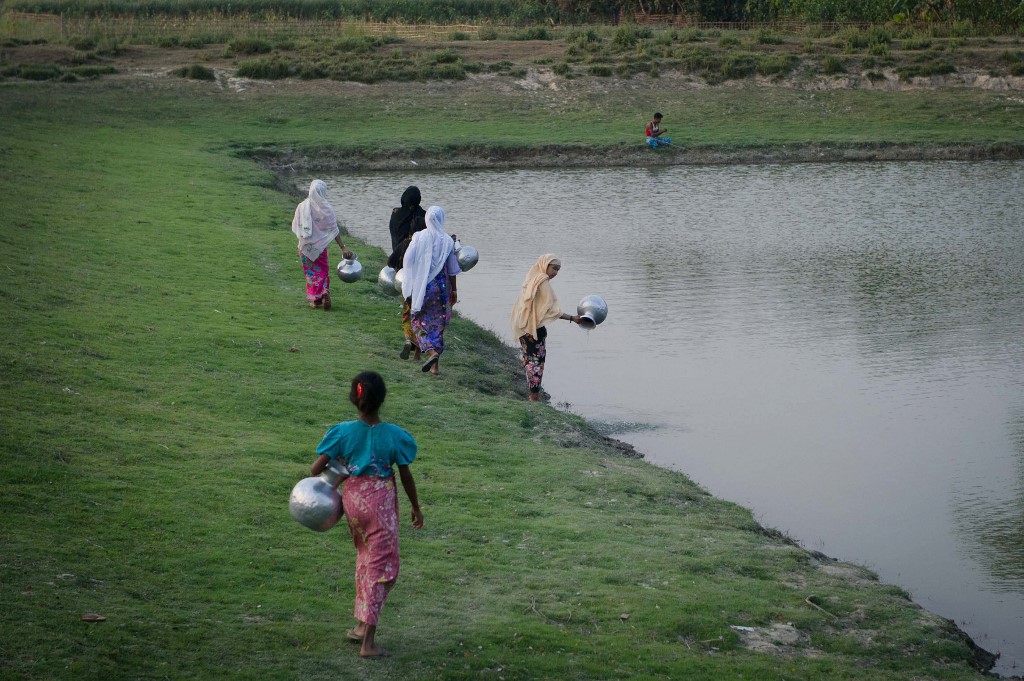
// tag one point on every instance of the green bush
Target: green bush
(456, 36)
(562, 69)
(168, 41)
(626, 37)
(40, 72)
(832, 65)
(249, 46)
(266, 68)
(878, 50)
(766, 37)
(917, 42)
(728, 41)
(925, 69)
(875, 76)
(487, 33)
(601, 70)
(84, 43)
(776, 64)
(194, 42)
(737, 66)
(93, 72)
(532, 33)
(196, 72)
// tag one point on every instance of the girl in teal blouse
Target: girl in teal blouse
(370, 448)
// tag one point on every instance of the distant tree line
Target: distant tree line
(1003, 12)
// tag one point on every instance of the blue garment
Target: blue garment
(369, 450)
(656, 142)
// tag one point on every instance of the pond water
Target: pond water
(839, 347)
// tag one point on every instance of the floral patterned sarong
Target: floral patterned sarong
(429, 323)
(534, 353)
(371, 506)
(318, 276)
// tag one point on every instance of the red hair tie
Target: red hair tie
(359, 391)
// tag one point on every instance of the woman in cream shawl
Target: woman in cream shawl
(429, 270)
(316, 226)
(535, 307)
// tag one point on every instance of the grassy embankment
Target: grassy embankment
(164, 383)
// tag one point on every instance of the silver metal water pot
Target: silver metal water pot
(399, 278)
(592, 311)
(386, 281)
(315, 502)
(350, 270)
(467, 256)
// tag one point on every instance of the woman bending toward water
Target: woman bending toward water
(535, 307)
(430, 267)
(316, 225)
(370, 448)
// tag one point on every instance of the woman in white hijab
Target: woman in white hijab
(430, 266)
(536, 306)
(316, 226)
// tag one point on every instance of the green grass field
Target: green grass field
(164, 385)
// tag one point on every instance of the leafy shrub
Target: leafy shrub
(68, 78)
(627, 37)
(517, 73)
(40, 72)
(84, 43)
(532, 33)
(917, 42)
(487, 33)
(1017, 70)
(286, 44)
(442, 57)
(875, 76)
(93, 72)
(776, 64)
(265, 68)
(583, 37)
(562, 69)
(168, 41)
(736, 66)
(601, 70)
(249, 46)
(832, 65)
(458, 36)
(853, 39)
(878, 50)
(766, 37)
(728, 41)
(196, 72)
(194, 42)
(926, 69)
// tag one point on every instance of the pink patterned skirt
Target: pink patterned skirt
(371, 506)
(318, 276)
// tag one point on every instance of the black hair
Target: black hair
(367, 392)
(657, 115)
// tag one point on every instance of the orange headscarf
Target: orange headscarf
(536, 304)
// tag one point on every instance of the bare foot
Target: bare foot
(355, 634)
(375, 651)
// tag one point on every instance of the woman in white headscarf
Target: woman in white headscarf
(536, 306)
(316, 226)
(430, 267)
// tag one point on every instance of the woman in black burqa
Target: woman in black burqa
(406, 221)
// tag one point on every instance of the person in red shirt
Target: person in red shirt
(654, 133)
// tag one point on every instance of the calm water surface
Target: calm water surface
(838, 347)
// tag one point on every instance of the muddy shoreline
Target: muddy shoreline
(478, 157)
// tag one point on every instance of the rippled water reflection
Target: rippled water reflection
(838, 347)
